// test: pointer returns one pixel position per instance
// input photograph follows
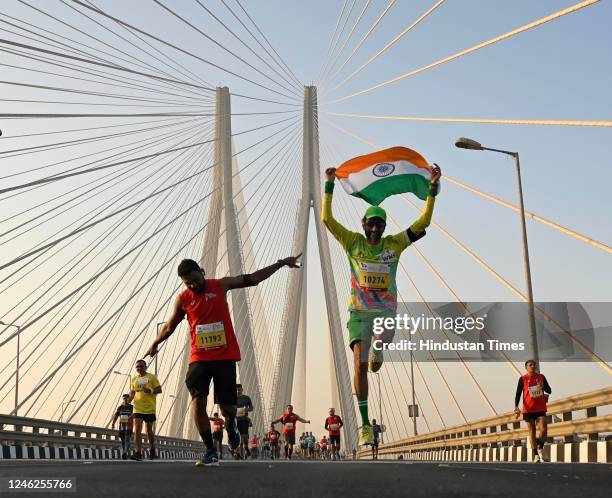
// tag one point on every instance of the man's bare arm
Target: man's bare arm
(249, 280)
(178, 313)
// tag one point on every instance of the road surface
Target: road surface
(320, 479)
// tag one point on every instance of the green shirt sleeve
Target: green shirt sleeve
(342, 234)
(425, 219)
(417, 229)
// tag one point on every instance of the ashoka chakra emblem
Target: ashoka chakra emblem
(383, 169)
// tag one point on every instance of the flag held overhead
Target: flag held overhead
(376, 176)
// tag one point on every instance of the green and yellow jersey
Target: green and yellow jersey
(374, 267)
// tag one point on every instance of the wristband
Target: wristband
(329, 187)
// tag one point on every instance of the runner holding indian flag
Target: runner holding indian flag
(373, 258)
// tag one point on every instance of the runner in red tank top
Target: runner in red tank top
(289, 420)
(217, 433)
(333, 424)
(214, 348)
(534, 388)
(274, 438)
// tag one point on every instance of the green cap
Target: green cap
(375, 212)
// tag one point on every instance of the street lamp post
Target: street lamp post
(380, 407)
(18, 327)
(64, 404)
(160, 323)
(467, 143)
(128, 376)
(414, 420)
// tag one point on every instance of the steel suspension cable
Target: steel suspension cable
(509, 34)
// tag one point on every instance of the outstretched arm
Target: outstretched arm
(417, 229)
(178, 313)
(248, 280)
(342, 234)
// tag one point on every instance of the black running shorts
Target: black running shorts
(147, 417)
(533, 416)
(221, 372)
(243, 426)
(290, 438)
(335, 440)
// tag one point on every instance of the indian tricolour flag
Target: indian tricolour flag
(376, 176)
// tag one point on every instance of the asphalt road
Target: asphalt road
(321, 479)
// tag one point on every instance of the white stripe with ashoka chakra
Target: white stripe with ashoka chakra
(361, 179)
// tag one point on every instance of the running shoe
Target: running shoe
(541, 454)
(209, 459)
(152, 454)
(375, 360)
(124, 455)
(136, 456)
(366, 435)
(537, 459)
(233, 436)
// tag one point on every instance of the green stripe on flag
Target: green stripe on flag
(379, 190)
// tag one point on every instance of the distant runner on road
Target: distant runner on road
(534, 389)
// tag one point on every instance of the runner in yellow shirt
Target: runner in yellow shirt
(145, 388)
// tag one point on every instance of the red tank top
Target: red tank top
(289, 422)
(335, 421)
(210, 323)
(534, 399)
(217, 425)
(273, 436)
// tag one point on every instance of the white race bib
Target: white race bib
(123, 419)
(289, 426)
(334, 427)
(210, 336)
(374, 276)
(241, 411)
(536, 391)
(141, 383)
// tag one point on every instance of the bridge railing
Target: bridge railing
(23, 431)
(582, 434)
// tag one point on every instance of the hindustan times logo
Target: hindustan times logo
(458, 325)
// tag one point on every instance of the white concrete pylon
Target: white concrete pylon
(249, 369)
(222, 203)
(311, 198)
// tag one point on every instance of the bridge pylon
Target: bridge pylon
(296, 289)
(222, 208)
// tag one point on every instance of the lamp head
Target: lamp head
(467, 143)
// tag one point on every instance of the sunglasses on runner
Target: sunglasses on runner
(373, 223)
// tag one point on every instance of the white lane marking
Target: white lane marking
(483, 468)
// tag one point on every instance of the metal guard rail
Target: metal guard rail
(62, 434)
(494, 430)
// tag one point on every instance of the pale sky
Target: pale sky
(557, 71)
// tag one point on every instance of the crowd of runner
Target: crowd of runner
(215, 352)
